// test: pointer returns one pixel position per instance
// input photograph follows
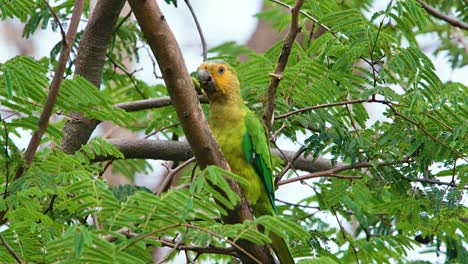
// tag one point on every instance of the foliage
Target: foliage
(61, 210)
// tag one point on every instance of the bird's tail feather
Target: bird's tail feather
(281, 249)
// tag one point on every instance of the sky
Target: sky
(224, 21)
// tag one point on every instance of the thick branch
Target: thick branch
(180, 151)
(185, 100)
(152, 103)
(436, 13)
(89, 64)
(277, 75)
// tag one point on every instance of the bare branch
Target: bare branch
(192, 226)
(10, 250)
(129, 75)
(7, 156)
(122, 21)
(437, 182)
(166, 184)
(210, 249)
(343, 232)
(289, 164)
(180, 151)
(277, 75)
(57, 20)
(310, 108)
(315, 20)
(333, 171)
(152, 103)
(53, 89)
(384, 102)
(451, 20)
(200, 32)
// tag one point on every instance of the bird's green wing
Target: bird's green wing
(257, 152)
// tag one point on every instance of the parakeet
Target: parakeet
(243, 139)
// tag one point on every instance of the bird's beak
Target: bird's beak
(206, 81)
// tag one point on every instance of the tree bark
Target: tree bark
(180, 151)
(89, 64)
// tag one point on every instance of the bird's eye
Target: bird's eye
(221, 70)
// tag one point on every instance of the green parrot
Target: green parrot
(243, 139)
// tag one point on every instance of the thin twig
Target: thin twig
(153, 61)
(108, 164)
(7, 157)
(53, 89)
(298, 205)
(51, 205)
(461, 39)
(289, 164)
(308, 16)
(57, 20)
(168, 179)
(315, 107)
(209, 249)
(10, 250)
(122, 21)
(451, 20)
(418, 125)
(333, 172)
(276, 133)
(277, 75)
(436, 182)
(343, 232)
(129, 74)
(374, 100)
(200, 32)
(232, 243)
(160, 130)
(95, 221)
(352, 120)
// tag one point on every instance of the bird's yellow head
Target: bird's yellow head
(219, 81)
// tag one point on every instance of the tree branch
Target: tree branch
(333, 171)
(210, 249)
(185, 100)
(384, 102)
(451, 20)
(57, 20)
(89, 64)
(53, 89)
(200, 32)
(180, 151)
(10, 250)
(277, 75)
(166, 184)
(315, 20)
(152, 103)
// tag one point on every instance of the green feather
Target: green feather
(257, 152)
